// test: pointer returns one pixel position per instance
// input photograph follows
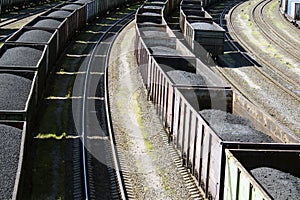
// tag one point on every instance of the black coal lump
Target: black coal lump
(10, 142)
(59, 13)
(71, 7)
(21, 56)
(47, 23)
(14, 91)
(35, 36)
(279, 184)
(231, 127)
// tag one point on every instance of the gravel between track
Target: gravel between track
(279, 184)
(273, 100)
(10, 140)
(147, 159)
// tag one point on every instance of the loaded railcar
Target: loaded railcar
(262, 174)
(80, 12)
(26, 59)
(52, 24)
(19, 96)
(18, 57)
(70, 16)
(32, 36)
(197, 26)
(202, 117)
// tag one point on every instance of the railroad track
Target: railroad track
(13, 20)
(265, 81)
(258, 16)
(273, 73)
(97, 140)
(284, 80)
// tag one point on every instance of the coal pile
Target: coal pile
(161, 50)
(279, 184)
(186, 78)
(10, 141)
(47, 23)
(155, 7)
(21, 56)
(60, 13)
(14, 91)
(71, 7)
(231, 127)
(150, 14)
(81, 1)
(155, 34)
(35, 36)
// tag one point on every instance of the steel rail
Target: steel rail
(295, 96)
(114, 154)
(269, 32)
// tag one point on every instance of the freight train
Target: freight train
(232, 148)
(27, 59)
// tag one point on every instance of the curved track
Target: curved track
(277, 92)
(273, 73)
(96, 131)
(270, 33)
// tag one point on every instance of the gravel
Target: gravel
(10, 140)
(186, 78)
(71, 7)
(21, 56)
(36, 36)
(279, 184)
(14, 91)
(231, 127)
(60, 13)
(47, 23)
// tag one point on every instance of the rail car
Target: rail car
(291, 11)
(195, 107)
(197, 26)
(27, 59)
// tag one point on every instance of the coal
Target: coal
(82, 1)
(21, 56)
(60, 13)
(47, 23)
(14, 92)
(279, 184)
(161, 50)
(151, 14)
(10, 143)
(153, 7)
(156, 34)
(71, 7)
(35, 36)
(231, 127)
(186, 78)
